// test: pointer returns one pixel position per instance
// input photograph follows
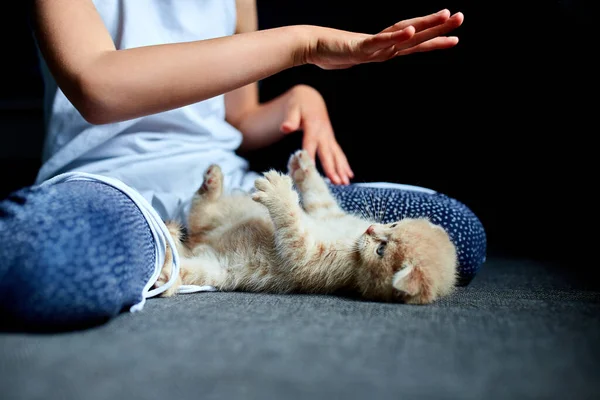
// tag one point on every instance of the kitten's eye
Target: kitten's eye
(393, 225)
(381, 249)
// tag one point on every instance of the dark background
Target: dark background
(499, 122)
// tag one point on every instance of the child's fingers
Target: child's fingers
(328, 163)
(350, 172)
(309, 143)
(384, 55)
(454, 22)
(421, 23)
(383, 40)
(342, 166)
(292, 120)
(439, 43)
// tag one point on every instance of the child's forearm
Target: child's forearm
(135, 82)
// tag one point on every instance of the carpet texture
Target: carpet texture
(521, 329)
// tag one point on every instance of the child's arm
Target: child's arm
(108, 85)
(301, 107)
(244, 100)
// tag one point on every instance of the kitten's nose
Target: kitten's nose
(370, 229)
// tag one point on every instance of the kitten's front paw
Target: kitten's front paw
(301, 166)
(274, 187)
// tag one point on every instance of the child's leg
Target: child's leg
(73, 254)
(391, 204)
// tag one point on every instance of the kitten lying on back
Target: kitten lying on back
(265, 242)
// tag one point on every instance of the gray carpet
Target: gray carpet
(521, 330)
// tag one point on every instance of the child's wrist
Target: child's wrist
(304, 38)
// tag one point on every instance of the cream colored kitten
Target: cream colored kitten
(265, 242)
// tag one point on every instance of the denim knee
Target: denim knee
(75, 253)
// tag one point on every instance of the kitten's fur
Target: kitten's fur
(265, 242)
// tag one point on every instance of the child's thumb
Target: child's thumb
(292, 120)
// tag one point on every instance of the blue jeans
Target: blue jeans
(72, 255)
(75, 254)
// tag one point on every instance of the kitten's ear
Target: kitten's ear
(403, 280)
(411, 281)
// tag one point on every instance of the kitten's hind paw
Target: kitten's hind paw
(212, 185)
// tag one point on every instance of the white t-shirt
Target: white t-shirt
(162, 156)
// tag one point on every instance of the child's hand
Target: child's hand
(337, 49)
(306, 111)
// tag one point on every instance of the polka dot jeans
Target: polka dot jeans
(387, 205)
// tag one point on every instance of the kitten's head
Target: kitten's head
(412, 260)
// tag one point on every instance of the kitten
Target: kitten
(266, 242)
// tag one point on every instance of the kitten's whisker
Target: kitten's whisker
(375, 201)
(366, 203)
(374, 205)
(370, 200)
(366, 209)
(379, 207)
(387, 204)
(363, 207)
(371, 207)
(384, 208)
